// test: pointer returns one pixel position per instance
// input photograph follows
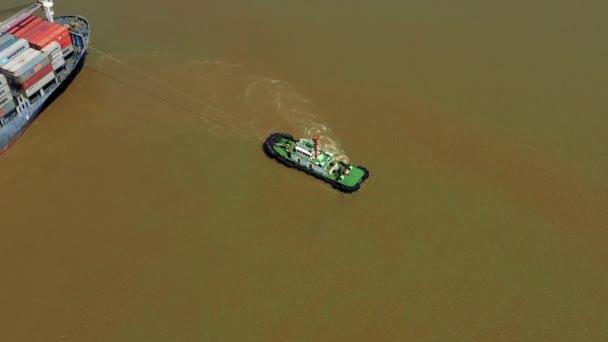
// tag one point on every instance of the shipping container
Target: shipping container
(3, 81)
(34, 28)
(31, 71)
(5, 90)
(19, 59)
(4, 69)
(13, 51)
(41, 30)
(57, 51)
(38, 30)
(23, 78)
(57, 55)
(22, 24)
(61, 35)
(5, 99)
(38, 76)
(58, 63)
(41, 83)
(7, 115)
(68, 50)
(7, 104)
(27, 27)
(3, 84)
(5, 38)
(3, 93)
(22, 29)
(7, 41)
(29, 65)
(65, 39)
(51, 48)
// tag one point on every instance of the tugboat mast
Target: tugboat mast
(315, 139)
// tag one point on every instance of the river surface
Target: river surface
(140, 207)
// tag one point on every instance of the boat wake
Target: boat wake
(236, 100)
(280, 100)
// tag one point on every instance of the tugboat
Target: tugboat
(305, 155)
(38, 60)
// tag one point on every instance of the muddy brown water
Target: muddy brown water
(128, 218)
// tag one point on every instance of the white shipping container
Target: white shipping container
(55, 56)
(38, 85)
(52, 48)
(68, 50)
(7, 105)
(13, 51)
(58, 64)
(27, 63)
(4, 99)
(5, 69)
(7, 113)
(4, 90)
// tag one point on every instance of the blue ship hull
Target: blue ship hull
(27, 113)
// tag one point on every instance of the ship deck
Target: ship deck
(28, 109)
(355, 173)
(79, 31)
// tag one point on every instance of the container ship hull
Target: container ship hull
(43, 90)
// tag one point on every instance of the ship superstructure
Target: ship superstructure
(39, 57)
(306, 153)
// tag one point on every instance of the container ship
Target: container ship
(304, 154)
(39, 57)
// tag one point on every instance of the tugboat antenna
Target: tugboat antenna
(315, 138)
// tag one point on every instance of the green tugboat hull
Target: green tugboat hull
(343, 177)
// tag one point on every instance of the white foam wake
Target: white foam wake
(251, 105)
